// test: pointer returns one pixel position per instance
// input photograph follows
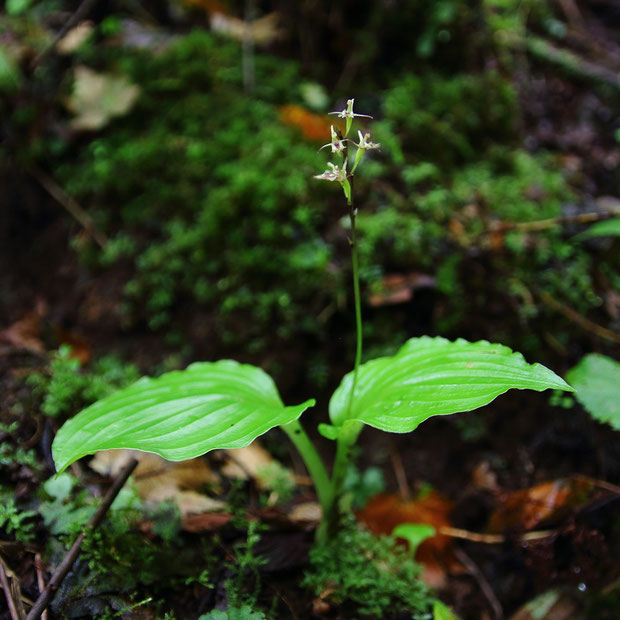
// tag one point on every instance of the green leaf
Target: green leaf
(180, 415)
(606, 228)
(433, 376)
(414, 533)
(15, 7)
(443, 612)
(597, 381)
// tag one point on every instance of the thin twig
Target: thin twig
(70, 204)
(484, 585)
(601, 484)
(65, 566)
(82, 11)
(492, 539)
(582, 218)
(38, 567)
(11, 592)
(575, 317)
(399, 472)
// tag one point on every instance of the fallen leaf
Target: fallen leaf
(75, 37)
(526, 509)
(261, 31)
(550, 605)
(399, 288)
(384, 512)
(306, 512)
(99, 97)
(244, 463)
(158, 480)
(205, 522)
(26, 333)
(313, 126)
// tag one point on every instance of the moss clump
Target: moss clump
(380, 578)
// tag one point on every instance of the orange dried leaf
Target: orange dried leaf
(312, 126)
(384, 512)
(528, 508)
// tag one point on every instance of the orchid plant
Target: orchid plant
(214, 405)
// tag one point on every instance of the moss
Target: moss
(378, 577)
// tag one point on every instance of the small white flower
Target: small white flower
(365, 142)
(348, 111)
(337, 142)
(334, 173)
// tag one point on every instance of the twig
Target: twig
(575, 317)
(11, 592)
(601, 484)
(476, 573)
(399, 472)
(491, 539)
(582, 218)
(82, 11)
(38, 567)
(65, 566)
(545, 51)
(70, 204)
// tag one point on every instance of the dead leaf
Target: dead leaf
(550, 605)
(306, 512)
(206, 522)
(245, 462)
(99, 97)
(261, 31)
(313, 127)
(384, 512)
(399, 288)
(483, 477)
(526, 509)
(158, 480)
(75, 37)
(26, 333)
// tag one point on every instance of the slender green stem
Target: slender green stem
(358, 303)
(312, 460)
(346, 440)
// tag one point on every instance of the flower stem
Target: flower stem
(358, 303)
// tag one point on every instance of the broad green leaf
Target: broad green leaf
(179, 415)
(597, 381)
(606, 228)
(434, 376)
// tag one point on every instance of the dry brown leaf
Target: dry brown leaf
(261, 31)
(526, 509)
(306, 512)
(75, 37)
(399, 288)
(313, 126)
(26, 333)
(99, 97)
(384, 512)
(246, 462)
(206, 522)
(157, 480)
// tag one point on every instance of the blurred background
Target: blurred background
(157, 162)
